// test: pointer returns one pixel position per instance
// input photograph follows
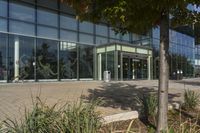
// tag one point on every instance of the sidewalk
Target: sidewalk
(117, 96)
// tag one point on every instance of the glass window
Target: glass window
(102, 30)
(3, 8)
(101, 40)
(135, 37)
(68, 35)
(48, 3)
(84, 38)
(29, 1)
(68, 22)
(86, 27)
(22, 12)
(114, 40)
(125, 37)
(22, 28)
(67, 9)
(113, 34)
(156, 32)
(86, 61)
(47, 17)
(24, 48)
(46, 56)
(3, 24)
(3, 57)
(47, 32)
(68, 60)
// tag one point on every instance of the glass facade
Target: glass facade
(3, 57)
(197, 61)
(68, 60)
(182, 53)
(44, 41)
(46, 59)
(21, 57)
(85, 61)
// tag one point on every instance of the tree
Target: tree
(139, 16)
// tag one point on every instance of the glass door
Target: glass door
(126, 68)
(134, 68)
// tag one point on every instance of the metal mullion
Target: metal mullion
(35, 44)
(78, 61)
(59, 43)
(78, 54)
(7, 59)
(7, 47)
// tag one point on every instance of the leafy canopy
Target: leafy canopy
(136, 16)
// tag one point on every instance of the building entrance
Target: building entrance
(134, 68)
(125, 62)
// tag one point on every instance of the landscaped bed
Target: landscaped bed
(83, 118)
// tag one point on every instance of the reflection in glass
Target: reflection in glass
(101, 40)
(3, 24)
(47, 17)
(43, 31)
(46, 56)
(68, 60)
(48, 3)
(86, 27)
(113, 34)
(21, 58)
(125, 37)
(68, 35)
(86, 61)
(67, 9)
(102, 30)
(3, 57)
(22, 12)
(68, 22)
(3, 8)
(85, 38)
(21, 28)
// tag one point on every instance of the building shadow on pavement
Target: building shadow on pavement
(121, 95)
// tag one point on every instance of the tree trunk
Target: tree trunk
(162, 124)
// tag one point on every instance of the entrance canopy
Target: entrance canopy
(124, 61)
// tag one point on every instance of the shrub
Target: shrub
(75, 118)
(191, 99)
(149, 104)
(185, 127)
(80, 118)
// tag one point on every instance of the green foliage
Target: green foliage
(149, 104)
(191, 99)
(133, 15)
(76, 118)
(151, 130)
(82, 118)
(185, 127)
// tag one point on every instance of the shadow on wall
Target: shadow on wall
(121, 95)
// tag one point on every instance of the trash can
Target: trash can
(107, 76)
(174, 76)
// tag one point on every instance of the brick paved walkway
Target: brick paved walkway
(117, 96)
